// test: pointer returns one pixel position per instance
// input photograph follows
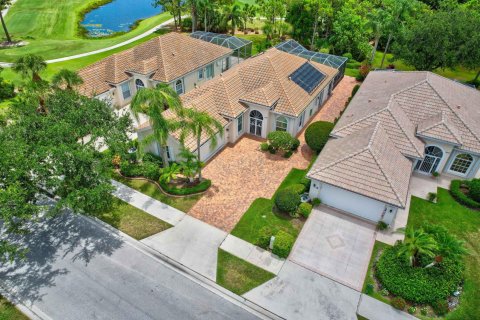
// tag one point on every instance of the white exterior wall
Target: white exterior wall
(207, 150)
(351, 202)
(310, 111)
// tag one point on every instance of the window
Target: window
(462, 163)
(200, 74)
(240, 123)
(281, 124)
(139, 84)
(126, 90)
(209, 71)
(225, 64)
(168, 152)
(179, 86)
(310, 113)
(302, 117)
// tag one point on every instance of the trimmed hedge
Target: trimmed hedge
(148, 170)
(297, 188)
(304, 209)
(462, 198)
(316, 135)
(282, 140)
(420, 285)
(202, 186)
(264, 236)
(287, 200)
(283, 244)
(474, 189)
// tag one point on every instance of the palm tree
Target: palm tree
(233, 14)
(376, 22)
(4, 4)
(189, 164)
(169, 173)
(153, 102)
(39, 90)
(67, 79)
(249, 11)
(199, 123)
(30, 65)
(417, 242)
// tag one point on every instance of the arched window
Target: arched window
(433, 156)
(434, 151)
(179, 86)
(281, 124)
(139, 84)
(256, 115)
(462, 163)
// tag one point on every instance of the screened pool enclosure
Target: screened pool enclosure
(242, 49)
(337, 62)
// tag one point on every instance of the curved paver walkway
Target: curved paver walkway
(118, 45)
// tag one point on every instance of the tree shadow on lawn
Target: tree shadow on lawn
(50, 244)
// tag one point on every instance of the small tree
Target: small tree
(4, 4)
(417, 242)
(30, 65)
(67, 79)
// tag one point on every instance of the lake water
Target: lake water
(117, 16)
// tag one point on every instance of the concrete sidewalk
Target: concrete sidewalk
(253, 254)
(374, 309)
(149, 205)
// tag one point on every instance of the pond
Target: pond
(117, 16)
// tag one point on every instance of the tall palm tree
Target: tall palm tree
(4, 4)
(199, 123)
(30, 65)
(67, 79)
(376, 22)
(417, 242)
(233, 14)
(153, 102)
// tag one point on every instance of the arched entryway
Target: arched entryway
(256, 121)
(433, 156)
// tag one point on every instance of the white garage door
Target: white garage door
(349, 201)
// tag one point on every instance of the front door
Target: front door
(433, 156)
(256, 121)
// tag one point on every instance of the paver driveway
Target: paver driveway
(335, 245)
(241, 173)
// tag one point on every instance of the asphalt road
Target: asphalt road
(78, 270)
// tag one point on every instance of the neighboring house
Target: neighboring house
(397, 123)
(271, 91)
(176, 59)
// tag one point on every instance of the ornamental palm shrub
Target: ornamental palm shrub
(417, 242)
(316, 135)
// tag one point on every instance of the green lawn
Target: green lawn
(238, 275)
(262, 213)
(181, 203)
(50, 28)
(134, 222)
(379, 246)
(465, 224)
(9, 312)
(256, 40)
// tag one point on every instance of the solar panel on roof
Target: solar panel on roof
(307, 77)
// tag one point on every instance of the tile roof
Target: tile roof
(367, 163)
(440, 127)
(264, 80)
(421, 95)
(164, 58)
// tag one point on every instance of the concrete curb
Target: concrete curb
(33, 313)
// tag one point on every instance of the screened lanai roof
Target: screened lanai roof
(240, 46)
(293, 47)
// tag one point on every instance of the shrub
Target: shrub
(364, 70)
(287, 200)
(150, 170)
(316, 135)
(306, 182)
(435, 174)
(384, 292)
(281, 140)
(348, 55)
(264, 146)
(7, 90)
(295, 144)
(474, 189)
(420, 285)
(304, 209)
(287, 154)
(202, 186)
(354, 90)
(431, 196)
(272, 149)
(381, 225)
(398, 303)
(412, 309)
(264, 236)
(440, 307)
(150, 157)
(424, 311)
(297, 188)
(316, 202)
(283, 244)
(462, 198)
(130, 169)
